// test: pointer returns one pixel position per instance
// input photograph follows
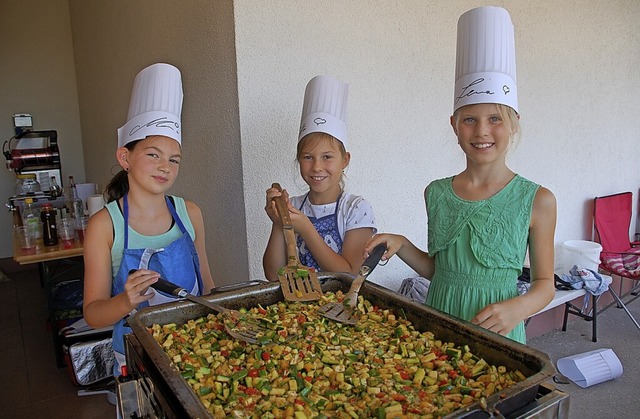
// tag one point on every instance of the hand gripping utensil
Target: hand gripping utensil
(344, 311)
(239, 325)
(298, 282)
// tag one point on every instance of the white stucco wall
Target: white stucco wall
(578, 87)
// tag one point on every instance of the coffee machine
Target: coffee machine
(34, 153)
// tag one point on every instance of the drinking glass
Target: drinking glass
(67, 232)
(81, 227)
(26, 236)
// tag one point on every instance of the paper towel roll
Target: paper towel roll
(94, 203)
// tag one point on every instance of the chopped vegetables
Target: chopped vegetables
(317, 368)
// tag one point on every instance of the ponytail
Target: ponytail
(117, 187)
(119, 184)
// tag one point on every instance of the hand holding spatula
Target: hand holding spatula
(344, 312)
(238, 325)
(298, 282)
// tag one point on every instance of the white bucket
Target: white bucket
(583, 253)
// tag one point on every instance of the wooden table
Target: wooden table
(46, 253)
(44, 256)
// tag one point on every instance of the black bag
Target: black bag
(559, 283)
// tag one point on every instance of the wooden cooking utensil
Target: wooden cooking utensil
(239, 325)
(298, 282)
(344, 312)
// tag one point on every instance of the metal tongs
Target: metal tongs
(344, 312)
(239, 325)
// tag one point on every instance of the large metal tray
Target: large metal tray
(495, 349)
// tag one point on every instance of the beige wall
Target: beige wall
(113, 41)
(37, 76)
(245, 64)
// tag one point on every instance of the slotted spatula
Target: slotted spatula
(344, 311)
(298, 282)
(238, 325)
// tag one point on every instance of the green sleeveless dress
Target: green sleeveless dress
(479, 247)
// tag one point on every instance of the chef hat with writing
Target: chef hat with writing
(325, 108)
(156, 105)
(485, 59)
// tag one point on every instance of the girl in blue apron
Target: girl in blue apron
(142, 233)
(178, 262)
(332, 226)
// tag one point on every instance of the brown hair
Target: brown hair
(119, 184)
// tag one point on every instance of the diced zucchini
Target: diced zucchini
(329, 360)
(203, 391)
(393, 410)
(276, 392)
(419, 376)
(453, 352)
(315, 366)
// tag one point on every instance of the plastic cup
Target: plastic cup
(27, 236)
(81, 227)
(66, 232)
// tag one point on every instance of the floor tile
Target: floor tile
(69, 406)
(14, 391)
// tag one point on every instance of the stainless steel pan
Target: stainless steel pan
(496, 349)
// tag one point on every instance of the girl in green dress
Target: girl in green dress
(482, 221)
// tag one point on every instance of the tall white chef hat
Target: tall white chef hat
(485, 59)
(156, 105)
(325, 108)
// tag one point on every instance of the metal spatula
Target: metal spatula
(344, 312)
(298, 282)
(239, 325)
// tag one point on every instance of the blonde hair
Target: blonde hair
(310, 141)
(510, 118)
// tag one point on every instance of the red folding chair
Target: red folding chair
(620, 256)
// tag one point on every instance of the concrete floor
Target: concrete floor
(32, 386)
(619, 398)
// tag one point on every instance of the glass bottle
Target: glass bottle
(72, 196)
(30, 217)
(55, 190)
(70, 187)
(49, 230)
(75, 206)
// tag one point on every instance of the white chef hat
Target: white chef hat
(325, 108)
(156, 105)
(485, 59)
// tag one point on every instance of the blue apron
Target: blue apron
(327, 228)
(178, 262)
